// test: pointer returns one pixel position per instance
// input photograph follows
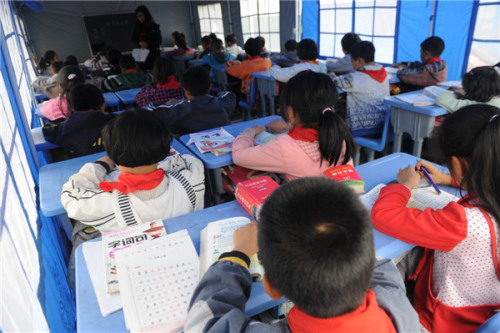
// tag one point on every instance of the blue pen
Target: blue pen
(430, 179)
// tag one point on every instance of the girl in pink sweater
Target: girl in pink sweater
(68, 77)
(318, 138)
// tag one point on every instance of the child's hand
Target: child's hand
(245, 239)
(253, 131)
(408, 177)
(108, 161)
(437, 176)
(277, 126)
(258, 129)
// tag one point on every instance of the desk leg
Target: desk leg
(417, 147)
(396, 146)
(216, 175)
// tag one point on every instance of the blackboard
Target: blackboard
(114, 30)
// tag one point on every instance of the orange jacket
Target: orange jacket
(245, 69)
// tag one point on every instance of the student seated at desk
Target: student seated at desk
(232, 46)
(318, 138)
(80, 133)
(315, 241)
(344, 65)
(289, 58)
(307, 50)
(199, 111)
(206, 44)
(366, 89)
(58, 107)
(218, 56)
(253, 63)
(149, 187)
(480, 85)
(180, 43)
(46, 60)
(129, 78)
(416, 75)
(164, 86)
(458, 275)
(43, 83)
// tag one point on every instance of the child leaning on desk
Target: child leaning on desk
(458, 276)
(150, 187)
(315, 241)
(317, 139)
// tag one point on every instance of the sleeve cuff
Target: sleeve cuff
(104, 164)
(236, 257)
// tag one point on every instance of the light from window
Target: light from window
(261, 18)
(211, 20)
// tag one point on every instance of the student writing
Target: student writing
(318, 138)
(458, 283)
(315, 241)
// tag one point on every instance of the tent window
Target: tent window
(485, 46)
(211, 19)
(374, 21)
(261, 18)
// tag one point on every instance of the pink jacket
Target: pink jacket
(52, 111)
(282, 155)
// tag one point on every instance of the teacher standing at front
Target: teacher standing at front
(147, 35)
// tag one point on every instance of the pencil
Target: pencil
(430, 179)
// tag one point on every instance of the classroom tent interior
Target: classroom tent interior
(34, 249)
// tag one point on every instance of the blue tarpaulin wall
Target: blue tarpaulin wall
(453, 21)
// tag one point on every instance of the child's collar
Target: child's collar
(432, 60)
(132, 70)
(128, 182)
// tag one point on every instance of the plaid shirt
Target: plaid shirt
(424, 75)
(148, 95)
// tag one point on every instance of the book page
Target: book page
(157, 280)
(434, 91)
(218, 139)
(418, 99)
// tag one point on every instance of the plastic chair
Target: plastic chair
(491, 325)
(246, 107)
(375, 144)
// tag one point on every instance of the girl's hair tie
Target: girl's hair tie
(326, 110)
(72, 76)
(493, 118)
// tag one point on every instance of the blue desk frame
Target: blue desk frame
(127, 97)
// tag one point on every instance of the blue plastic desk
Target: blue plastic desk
(197, 62)
(418, 121)
(111, 99)
(39, 140)
(89, 317)
(266, 85)
(53, 176)
(127, 96)
(213, 163)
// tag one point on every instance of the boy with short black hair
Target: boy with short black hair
(253, 63)
(366, 89)
(199, 111)
(232, 46)
(219, 56)
(315, 241)
(428, 72)
(206, 44)
(289, 58)
(344, 65)
(129, 78)
(307, 51)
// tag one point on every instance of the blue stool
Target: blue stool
(375, 144)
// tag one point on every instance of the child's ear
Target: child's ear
(269, 288)
(459, 167)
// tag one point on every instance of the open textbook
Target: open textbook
(421, 198)
(217, 238)
(157, 280)
(217, 142)
(425, 98)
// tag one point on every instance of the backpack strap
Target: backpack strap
(187, 186)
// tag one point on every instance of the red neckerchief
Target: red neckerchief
(431, 60)
(314, 62)
(129, 182)
(377, 75)
(306, 134)
(367, 317)
(132, 70)
(254, 57)
(171, 83)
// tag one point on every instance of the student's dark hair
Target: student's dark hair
(473, 133)
(262, 40)
(127, 61)
(308, 94)
(364, 50)
(71, 60)
(68, 77)
(113, 56)
(175, 34)
(86, 97)
(434, 45)
(307, 49)
(212, 37)
(291, 45)
(349, 40)
(148, 18)
(47, 59)
(206, 40)
(136, 138)
(231, 39)
(217, 45)
(196, 80)
(56, 66)
(253, 47)
(180, 41)
(162, 69)
(316, 246)
(481, 84)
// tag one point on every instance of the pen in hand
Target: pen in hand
(430, 179)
